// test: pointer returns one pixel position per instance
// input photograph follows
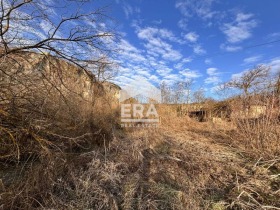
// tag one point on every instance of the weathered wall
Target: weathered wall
(26, 70)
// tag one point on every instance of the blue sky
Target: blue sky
(208, 41)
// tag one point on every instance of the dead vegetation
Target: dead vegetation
(183, 164)
(62, 148)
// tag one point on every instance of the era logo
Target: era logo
(138, 111)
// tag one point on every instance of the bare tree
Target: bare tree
(250, 81)
(178, 92)
(165, 93)
(79, 37)
(199, 96)
(104, 70)
(188, 89)
(44, 82)
(182, 91)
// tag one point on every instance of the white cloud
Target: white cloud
(252, 59)
(156, 42)
(197, 49)
(208, 61)
(50, 2)
(209, 24)
(238, 75)
(172, 55)
(178, 65)
(157, 22)
(129, 10)
(191, 36)
(153, 32)
(213, 76)
(230, 48)
(183, 7)
(163, 71)
(212, 80)
(126, 46)
(187, 60)
(134, 64)
(154, 78)
(240, 29)
(48, 7)
(273, 36)
(174, 77)
(182, 62)
(212, 71)
(190, 74)
(124, 70)
(200, 8)
(242, 17)
(143, 72)
(275, 65)
(183, 24)
(130, 53)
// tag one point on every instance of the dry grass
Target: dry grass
(62, 152)
(181, 165)
(258, 134)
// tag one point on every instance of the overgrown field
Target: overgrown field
(183, 164)
(62, 150)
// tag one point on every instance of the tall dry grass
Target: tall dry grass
(47, 115)
(258, 128)
(60, 151)
(175, 166)
(43, 106)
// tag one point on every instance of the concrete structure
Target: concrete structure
(36, 70)
(253, 111)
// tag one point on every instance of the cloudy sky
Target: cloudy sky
(204, 40)
(208, 41)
